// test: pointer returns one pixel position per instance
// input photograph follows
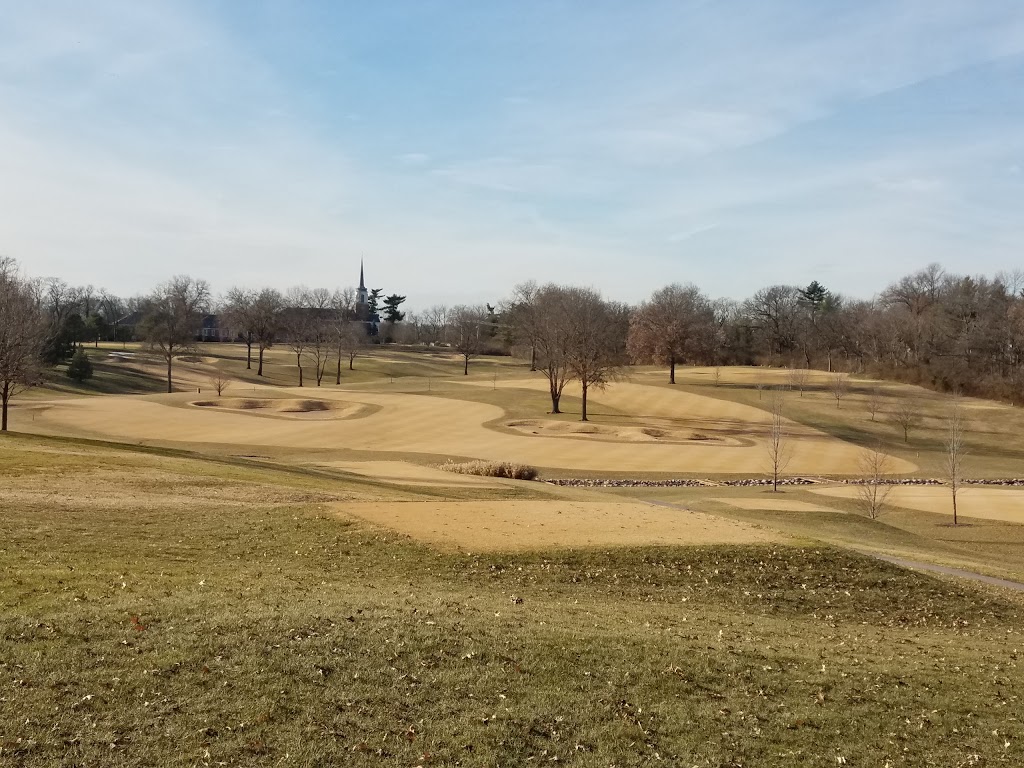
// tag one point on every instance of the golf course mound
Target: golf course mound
(616, 433)
(294, 408)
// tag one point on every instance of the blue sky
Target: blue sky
(461, 147)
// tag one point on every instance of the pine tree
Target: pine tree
(391, 305)
(79, 369)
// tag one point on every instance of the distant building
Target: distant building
(211, 329)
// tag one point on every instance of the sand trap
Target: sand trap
(515, 525)
(615, 433)
(402, 472)
(1006, 504)
(334, 409)
(774, 505)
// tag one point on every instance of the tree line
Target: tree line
(943, 330)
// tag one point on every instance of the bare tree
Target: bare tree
(267, 310)
(759, 385)
(873, 491)
(114, 308)
(320, 305)
(172, 317)
(779, 452)
(798, 379)
(435, 324)
(596, 342)
(955, 449)
(549, 317)
(219, 382)
(906, 416)
(22, 329)
(351, 339)
(676, 325)
(240, 312)
(716, 375)
(873, 401)
(465, 330)
(523, 320)
(839, 384)
(297, 325)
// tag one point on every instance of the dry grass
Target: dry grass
(505, 469)
(241, 634)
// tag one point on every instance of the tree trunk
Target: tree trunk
(584, 413)
(555, 398)
(533, 358)
(337, 379)
(465, 368)
(5, 397)
(298, 364)
(671, 370)
(260, 371)
(248, 351)
(170, 357)
(351, 362)
(954, 506)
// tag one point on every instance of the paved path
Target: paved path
(912, 564)
(917, 566)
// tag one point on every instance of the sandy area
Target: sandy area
(402, 472)
(411, 423)
(774, 505)
(514, 525)
(295, 408)
(1006, 504)
(614, 433)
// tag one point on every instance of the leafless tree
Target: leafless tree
(840, 385)
(759, 385)
(676, 325)
(435, 322)
(798, 379)
(240, 312)
(267, 316)
(873, 491)
(114, 308)
(596, 342)
(549, 318)
(350, 338)
(219, 382)
(955, 449)
(522, 315)
(779, 452)
(873, 401)
(21, 335)
(465, 331)
(906, 416)
(297, 325)
(716, 375)
(172, 317)
(320, 306)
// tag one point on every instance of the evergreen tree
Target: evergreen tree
(80, 368)
(373, 302)
(391, 305)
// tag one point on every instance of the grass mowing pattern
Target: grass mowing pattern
(261, 634)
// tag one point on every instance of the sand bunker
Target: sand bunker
(774, 505)
(614, 433)
(516, 525)
(1005, 504)
(333, 409)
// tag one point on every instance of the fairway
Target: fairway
(1005, 504)
(523, 525)
(721, 436)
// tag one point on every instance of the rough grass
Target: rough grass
(240, 631)
(506, 469)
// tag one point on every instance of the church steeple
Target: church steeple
(362, 296)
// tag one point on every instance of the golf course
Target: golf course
(275, 574)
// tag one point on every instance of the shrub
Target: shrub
(492, 469)
(80, 368)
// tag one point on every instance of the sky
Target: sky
(461, 147)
